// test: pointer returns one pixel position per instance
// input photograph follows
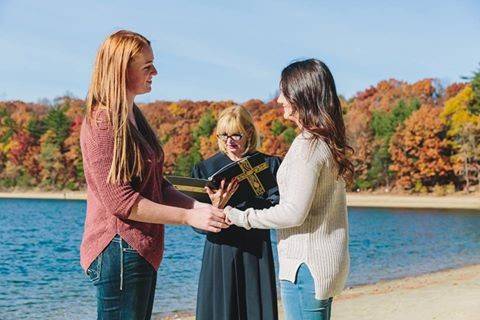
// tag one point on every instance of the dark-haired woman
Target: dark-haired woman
(312, 213)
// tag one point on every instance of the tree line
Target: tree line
(417, 137)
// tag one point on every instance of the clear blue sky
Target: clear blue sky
(236, 49)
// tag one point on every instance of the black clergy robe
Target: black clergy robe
(237, 278)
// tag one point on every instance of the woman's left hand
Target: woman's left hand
(222, 195)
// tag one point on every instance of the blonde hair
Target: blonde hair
(108, 90)
(237, 119)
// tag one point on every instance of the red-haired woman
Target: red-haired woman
(128, 201)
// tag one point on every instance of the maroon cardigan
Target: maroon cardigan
(109, 205)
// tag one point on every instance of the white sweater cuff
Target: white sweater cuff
(239, 218)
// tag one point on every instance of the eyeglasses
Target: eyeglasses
(234, 137)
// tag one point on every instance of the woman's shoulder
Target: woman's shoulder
(215, 161)
(216, 158)
(97, 127)
(309, 149)
(300, 144)
(98, 119)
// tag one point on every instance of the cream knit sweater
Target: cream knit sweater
(311, 216)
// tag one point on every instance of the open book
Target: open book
(252, 173)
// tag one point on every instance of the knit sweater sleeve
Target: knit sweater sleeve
(117, 199)
(296, 195)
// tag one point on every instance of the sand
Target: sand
(446, 295)
(54, 195)
(470, 202)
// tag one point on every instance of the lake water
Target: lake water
(40, 275)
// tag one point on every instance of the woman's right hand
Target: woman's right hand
(207, 218)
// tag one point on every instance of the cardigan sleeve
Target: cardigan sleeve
(117, 199)
(295, 200)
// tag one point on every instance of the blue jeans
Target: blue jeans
(125, 283)
(299, 298)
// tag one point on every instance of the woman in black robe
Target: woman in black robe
(237, 279)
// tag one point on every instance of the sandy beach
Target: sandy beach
(445, 295)
(54, 195)
(468, 202)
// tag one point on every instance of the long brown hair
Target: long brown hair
(108, 90)
(309, 87)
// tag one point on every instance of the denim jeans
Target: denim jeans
(125, 283)
(299, 300)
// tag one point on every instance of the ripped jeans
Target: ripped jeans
(125, 282)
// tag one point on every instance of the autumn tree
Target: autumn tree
(6, 133)
(463, 134)
(74, 175)
(203, 130)
(58, 122)
(15, 143)
(420, 153)
(385, 96)
(276, 133)
(51, 162)
(384, 124)
(51, 159)
(468, 153)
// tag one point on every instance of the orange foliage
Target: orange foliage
(419, 151)
(174, 123)
(453, 89)
(383, 97)
(208, 146)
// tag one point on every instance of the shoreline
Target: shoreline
(441, 295)
(461, 202)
